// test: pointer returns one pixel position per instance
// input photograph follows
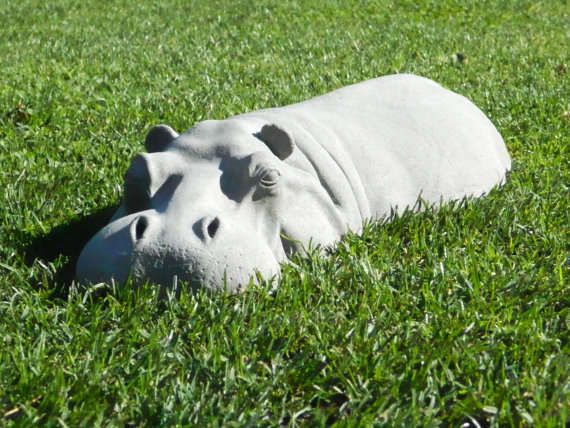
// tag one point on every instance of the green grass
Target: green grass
(447, 317)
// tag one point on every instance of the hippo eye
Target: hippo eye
(268, 177)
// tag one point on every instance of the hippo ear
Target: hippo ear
(159, 137)
(278, 140)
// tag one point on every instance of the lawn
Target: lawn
(455, 317)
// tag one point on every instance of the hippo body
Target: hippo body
(231, 197)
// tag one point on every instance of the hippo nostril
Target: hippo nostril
(140, 227)
(213, 227)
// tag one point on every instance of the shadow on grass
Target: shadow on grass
(67, 241)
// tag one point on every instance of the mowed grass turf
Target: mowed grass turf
(454, 317)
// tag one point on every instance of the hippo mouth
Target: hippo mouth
(231, 269)
(136, 247)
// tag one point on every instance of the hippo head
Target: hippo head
(212, 207)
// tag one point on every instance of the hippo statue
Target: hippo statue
(229, 198)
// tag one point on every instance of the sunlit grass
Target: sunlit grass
(454, 316)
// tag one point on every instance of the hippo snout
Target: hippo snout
(217, 253)
(108, 255)
(207, 228)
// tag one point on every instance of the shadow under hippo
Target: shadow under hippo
(231, 197)
(66, 240)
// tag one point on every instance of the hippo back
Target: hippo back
(405, 136)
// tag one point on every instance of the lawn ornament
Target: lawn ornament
(231, 197)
